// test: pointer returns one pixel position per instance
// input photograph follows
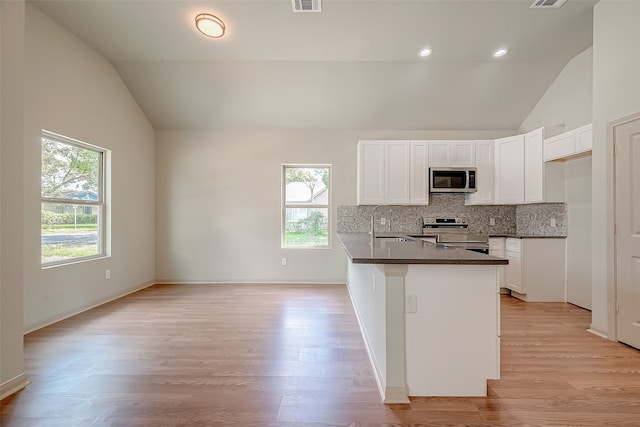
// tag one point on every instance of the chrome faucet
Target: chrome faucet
(373, 224)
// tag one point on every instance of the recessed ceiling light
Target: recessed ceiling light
(500, 52)
(210, 25)
(425, 52)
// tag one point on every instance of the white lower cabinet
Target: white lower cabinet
(496, 248)
(513, 270)
(536, 269)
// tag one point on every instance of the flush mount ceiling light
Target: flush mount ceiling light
(500, 52)
(425, 52)
(210, 25)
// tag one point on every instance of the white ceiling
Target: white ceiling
(352, 66)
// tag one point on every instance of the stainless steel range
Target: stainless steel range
(454, 233)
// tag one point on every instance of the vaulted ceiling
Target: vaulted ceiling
(355, 65)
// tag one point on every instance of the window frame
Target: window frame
(100, 203)
(285, 205)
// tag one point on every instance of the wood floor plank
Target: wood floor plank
(292, 355)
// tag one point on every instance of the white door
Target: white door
(626, 139)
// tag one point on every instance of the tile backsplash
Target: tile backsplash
(509, 219)
(536, 219)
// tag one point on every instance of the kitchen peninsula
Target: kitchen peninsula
(445, 341)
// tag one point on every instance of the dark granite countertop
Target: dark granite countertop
(513, 235)
(387, 250)
(527, 236)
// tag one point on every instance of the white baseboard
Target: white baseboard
(263, 282)
(602, 333)
(81, 309)
(380, 380)
(396, 395)
(14, 385)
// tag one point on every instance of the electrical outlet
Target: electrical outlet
(284, 261)
(552, 222)
(411, 304)
(492, 221)
(107, 274)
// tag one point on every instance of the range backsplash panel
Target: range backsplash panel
(509, 219)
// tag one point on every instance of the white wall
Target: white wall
(616, 61)
(567, 104)
(218, 201)
(12, 375)
(568, 101)
(72, 90)
(367, 289)
(578, 197)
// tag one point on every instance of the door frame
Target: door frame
(613, 287)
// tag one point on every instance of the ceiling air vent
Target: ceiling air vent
(307, 5)
(547, 4)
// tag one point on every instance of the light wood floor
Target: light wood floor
(287, 355)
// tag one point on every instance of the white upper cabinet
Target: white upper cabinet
(559, 146)
(521, 173)
(454, 153)
(485, 175)
(569, 144)
(534, 167)
(584, 138)
(371, 177)
(397, 164)
(509, 168)
(419, 179)
(392, 172)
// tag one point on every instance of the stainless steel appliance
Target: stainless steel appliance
(454, 233)
(452, 180)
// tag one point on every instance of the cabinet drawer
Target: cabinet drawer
(513, 245)
(496, 243)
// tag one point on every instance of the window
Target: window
(72, 200)
(305, 211)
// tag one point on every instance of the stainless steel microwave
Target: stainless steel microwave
(452, 180)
